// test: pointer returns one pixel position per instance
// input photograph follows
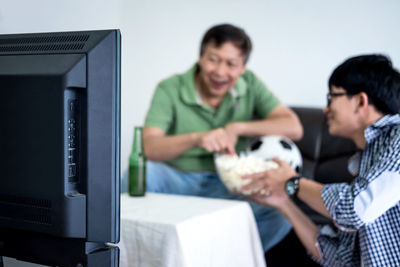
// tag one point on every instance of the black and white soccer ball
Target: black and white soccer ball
(275, 146)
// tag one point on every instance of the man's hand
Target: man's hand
(217, 140)
(272, 183)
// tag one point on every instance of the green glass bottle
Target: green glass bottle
(137, 166)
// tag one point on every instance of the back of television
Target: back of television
(60, 141)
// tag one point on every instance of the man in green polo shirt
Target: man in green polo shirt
(211, 108)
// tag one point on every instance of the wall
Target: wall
(296, 43)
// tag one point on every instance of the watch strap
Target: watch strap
(295, 180)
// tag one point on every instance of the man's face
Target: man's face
(220, 67)
(341, 113)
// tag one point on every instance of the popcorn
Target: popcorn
(232, 168)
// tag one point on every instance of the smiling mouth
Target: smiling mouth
(218, 84)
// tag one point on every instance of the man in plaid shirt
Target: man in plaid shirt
(363, 105)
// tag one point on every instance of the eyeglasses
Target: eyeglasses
(330, 95)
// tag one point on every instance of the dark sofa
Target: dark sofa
(325, 160)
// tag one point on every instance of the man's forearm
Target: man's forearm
(162, 148)
(286, 124)
(304, 228)
(281, 126)
(310, 193)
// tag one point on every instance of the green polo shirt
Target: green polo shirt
(175, 108)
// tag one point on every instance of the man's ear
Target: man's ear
(363, 102)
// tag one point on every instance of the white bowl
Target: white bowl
(231, 169)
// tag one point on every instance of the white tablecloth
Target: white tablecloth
(183, 231)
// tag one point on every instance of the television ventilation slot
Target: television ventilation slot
(45, 39)
(53, 47)
(22, 201)
(44, 43)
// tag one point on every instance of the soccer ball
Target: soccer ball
(275, 146)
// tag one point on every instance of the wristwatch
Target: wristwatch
(292, 186)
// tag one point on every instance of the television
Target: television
(60, 147)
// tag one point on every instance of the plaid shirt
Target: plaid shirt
(367, 211)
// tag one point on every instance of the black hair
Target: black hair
(223, 33)
(374, 75)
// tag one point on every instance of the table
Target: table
(163, 230)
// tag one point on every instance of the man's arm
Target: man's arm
(310, 192)
(305, 229)
(159, 147)
(273, 194)
(280, 121)
(274, 180)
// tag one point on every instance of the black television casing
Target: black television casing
(60, 135)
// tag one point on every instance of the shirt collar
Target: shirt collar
(377, 127)
(233, 92)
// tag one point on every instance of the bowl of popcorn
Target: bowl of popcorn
(231, 168)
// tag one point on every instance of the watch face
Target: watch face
(290, 188)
